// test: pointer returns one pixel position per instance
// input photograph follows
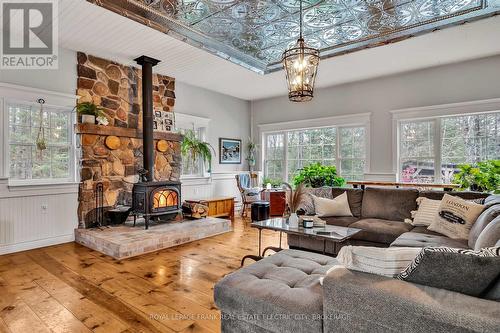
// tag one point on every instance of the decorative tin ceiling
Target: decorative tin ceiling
(254, 33)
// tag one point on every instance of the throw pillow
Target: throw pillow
(465, 271)
(339, 206)
(426, 212)
(375, 260)
(456, 217)
(486, 217)
(489, 236)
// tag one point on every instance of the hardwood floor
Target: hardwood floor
(70, 288)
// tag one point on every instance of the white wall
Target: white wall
(229, 118)
(62, 80)
(467, 81)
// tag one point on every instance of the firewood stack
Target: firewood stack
(194, 210)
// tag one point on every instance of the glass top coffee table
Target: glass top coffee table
(335, 234)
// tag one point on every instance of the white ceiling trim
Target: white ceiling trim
(90, 28)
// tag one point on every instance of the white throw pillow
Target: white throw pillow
(375, 260)
(338, 206)
(426, 213)
(456, 217)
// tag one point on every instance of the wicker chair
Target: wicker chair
(246, 184)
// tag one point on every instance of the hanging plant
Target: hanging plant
(194, 147)
(41, 143)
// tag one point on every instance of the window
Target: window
(446, 142)
(192, 167)
(26, 162)
(283, 158)
(352, 152)
(274, 164)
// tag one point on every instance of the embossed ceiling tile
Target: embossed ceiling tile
(293, 6)
(326, 15)
(220, 27)
(256, 13)
(254, 33)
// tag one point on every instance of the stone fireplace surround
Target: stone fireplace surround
(116, 88)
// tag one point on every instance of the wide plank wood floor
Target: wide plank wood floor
(70, 288)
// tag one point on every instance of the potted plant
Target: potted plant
(317, 175)
(194, 147)
(293, 200)
(89, 112)
(482, 176)
(275, 183)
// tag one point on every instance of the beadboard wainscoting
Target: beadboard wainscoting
(36, 216)
(219, 184)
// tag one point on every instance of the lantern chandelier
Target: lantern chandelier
(301, 64)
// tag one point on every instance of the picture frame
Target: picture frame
(229, 151)
(163, 121)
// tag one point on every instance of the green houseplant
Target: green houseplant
(317, 175)
(274, 182)
(89, 112)
(194, 147)
(482, 176)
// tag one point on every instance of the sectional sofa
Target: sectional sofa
(294, 291)
(380, 213)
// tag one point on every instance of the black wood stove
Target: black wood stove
(152, 199)
(156, 199)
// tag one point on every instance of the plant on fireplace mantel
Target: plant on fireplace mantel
(90, 112)
(196, 148)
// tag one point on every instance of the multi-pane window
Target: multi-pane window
(27, 163)
(352, 152)
(416, 151)
(274, 163)
(446, 142)
(193, 167)
(284, 158)
(310, 146)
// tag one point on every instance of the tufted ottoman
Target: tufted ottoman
(281, 293)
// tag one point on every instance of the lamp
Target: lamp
(301, 64)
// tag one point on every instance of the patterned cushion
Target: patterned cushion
(465, 271)
(426, 212)
(375, 260)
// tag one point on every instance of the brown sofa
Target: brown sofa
(380, 213)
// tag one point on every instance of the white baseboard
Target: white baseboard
(30, 245)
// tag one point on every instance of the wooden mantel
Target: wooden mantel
(123, 132)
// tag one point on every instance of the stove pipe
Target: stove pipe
(147, 64)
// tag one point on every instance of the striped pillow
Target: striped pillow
(426, 214)
(381, 261)
(465, 271)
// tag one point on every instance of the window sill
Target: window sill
(23, 189)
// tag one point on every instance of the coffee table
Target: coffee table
(325, 233)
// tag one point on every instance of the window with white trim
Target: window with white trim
(29, 165)
(193, 167)
(286, 152)
(446, 142)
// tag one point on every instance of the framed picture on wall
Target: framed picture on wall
(229, 151)
(163, 121)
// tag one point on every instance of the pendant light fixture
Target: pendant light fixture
(301, 64)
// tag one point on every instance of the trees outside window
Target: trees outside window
(446, 142)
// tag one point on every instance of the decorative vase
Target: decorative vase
(88, 119)
(293, 220)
